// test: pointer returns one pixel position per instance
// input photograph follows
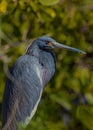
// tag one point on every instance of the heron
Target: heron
(29, 75)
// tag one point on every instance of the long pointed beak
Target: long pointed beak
(58, 45)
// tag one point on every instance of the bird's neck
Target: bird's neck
(33, 50)
(45, 61)
(48, 66)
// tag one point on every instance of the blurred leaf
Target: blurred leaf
(48, 2)
(63, 99)
(3, 6)
(83, 76)
(55, 126)
(89, 97)
(85, 115)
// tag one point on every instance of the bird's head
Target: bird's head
(48, 43)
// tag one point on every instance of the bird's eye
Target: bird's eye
(49, 43)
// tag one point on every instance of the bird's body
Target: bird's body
(31, 72)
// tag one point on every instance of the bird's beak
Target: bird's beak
(58, 45)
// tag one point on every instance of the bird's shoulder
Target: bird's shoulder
(23, 62)
(25, 59)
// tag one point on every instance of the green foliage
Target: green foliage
(68, 22)
(85, 115)
(48, 2)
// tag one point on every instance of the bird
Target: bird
(28, 78)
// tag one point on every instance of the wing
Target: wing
(22, 95)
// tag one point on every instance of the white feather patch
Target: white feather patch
(33, 111)
(38, 73)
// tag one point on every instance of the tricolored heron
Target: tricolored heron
(30, 74)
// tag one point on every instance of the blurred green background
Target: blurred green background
(67, 101)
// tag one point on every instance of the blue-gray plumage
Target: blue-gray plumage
(30, 74)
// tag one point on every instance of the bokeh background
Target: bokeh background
(67, 101)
